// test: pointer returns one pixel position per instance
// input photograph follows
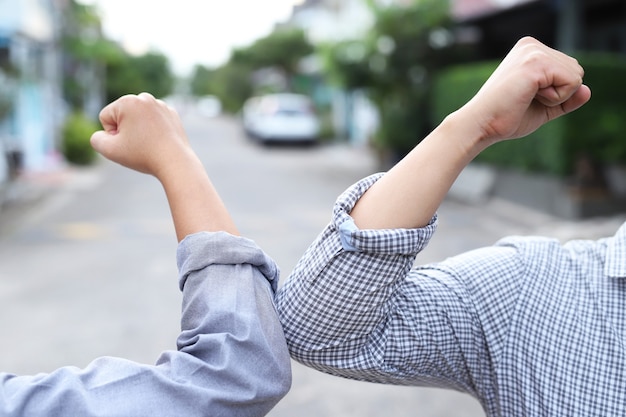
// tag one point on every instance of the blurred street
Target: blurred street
(88, 269)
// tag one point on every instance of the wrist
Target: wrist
(194, 203)
(464, 129)
(171, 166)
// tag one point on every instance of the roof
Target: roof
(469, 9)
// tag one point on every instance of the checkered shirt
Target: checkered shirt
(529, 327)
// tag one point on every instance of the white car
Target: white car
(281, 117)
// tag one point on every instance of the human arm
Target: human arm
(350, 306)
(231, 357)
(353, 306)
(146, 135)
(533, 85)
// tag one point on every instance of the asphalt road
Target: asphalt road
(89, 270)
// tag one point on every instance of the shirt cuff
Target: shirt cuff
(388, 241)
(200, 250)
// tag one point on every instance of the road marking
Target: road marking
(82, 231)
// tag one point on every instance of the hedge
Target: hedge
(76, 135)
(594, 130)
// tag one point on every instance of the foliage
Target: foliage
(233, 86)
(231, 83)
(598, 128)
(327, 129)
(7, 91)
(347, 63)
(201, 80)
(76, 135)
(85, 48)
(594, 131)
(89, 51)
(395, 64)
(280, 51)
(135, 74)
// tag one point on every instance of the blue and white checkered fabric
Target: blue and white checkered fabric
(529, 327)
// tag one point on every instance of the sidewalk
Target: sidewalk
(31, 193)
(473, 189)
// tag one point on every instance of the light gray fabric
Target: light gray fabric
(231, 360)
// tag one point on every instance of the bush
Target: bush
(327, 130)
(598, 128)
(403, 123)
(76, 133)
(594, 131)
(7, 92)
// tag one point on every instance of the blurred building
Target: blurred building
(332, 20)
(30, 57)
(490, 26)
(353, 116)
(569, 25)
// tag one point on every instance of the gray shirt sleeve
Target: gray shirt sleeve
(231, 359)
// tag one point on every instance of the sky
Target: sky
(190, 32)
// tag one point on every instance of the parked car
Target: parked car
(284, 117)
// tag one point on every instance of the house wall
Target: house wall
(572, 25)
(28, 30)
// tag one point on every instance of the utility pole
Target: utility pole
(570, 24)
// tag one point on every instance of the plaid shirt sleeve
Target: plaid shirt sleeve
(528, 326)
(352, 308)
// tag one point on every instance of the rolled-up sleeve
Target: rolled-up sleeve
(335, 305)
(231, 360)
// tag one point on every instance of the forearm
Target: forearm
(146, 135)
(532, 85)
(410, 193)
(194, 202)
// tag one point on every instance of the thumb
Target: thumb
(112, 146)
(103, 143)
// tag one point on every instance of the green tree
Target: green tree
(8, 77)
(233, 85)
(395, 64)
(201, 81)
(86, 52)
(149, 72)
(90, 58)
(283, 49)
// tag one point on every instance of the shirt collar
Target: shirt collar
(615, 261)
